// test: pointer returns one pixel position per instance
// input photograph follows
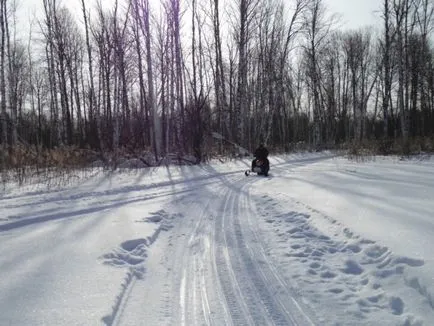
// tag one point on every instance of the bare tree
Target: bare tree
(332, 88)
(121, 49)
(247, 11)
(50, 10)
(14, 55)
(94, 112)
(293, 29)
(401, 11)
(146, 30)
(219, 73)
(316, 29)
(17, 75)
(143, 108)
(174, 19)
(387, 75)
(425, 19)
(3, 23)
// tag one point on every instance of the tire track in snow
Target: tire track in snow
(193, 294)
(277, 297)
(196, 295)
(235, 302)
(254, 291)
(185, 269)
(159, 296)
(212, 277)
(284, 294)
(181, 298)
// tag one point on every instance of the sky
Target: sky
(356, 13)
(352, 13)
(322, 240)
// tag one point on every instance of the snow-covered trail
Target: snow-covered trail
(322, 241)
(57, 246)
(211, 269)
(60, 245)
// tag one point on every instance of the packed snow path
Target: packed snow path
(214, 268)
(313, 244)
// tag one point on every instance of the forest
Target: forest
(153, 81)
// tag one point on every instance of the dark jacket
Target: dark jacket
(261, 152)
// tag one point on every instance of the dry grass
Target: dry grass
(398, 147)
(23, 164)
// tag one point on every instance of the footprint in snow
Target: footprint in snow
(346, 265)
(163, 218)
(328, 274)
(397, 305)
(408, 261)
(130, 254)
(353, 248)
(352, 267)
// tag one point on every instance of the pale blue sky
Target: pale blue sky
(357, 13)
(352, 13)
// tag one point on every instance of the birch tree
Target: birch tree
(316, 29)
(3, 41)
(219, 73)
(143, 108)
(145, 12)
(94, 111)
(247, 10)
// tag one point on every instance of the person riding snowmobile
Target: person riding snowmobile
(261, 155)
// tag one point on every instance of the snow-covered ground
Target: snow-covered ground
(321, 241)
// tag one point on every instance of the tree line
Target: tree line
(136, 77)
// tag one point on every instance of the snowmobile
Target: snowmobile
(260, 168)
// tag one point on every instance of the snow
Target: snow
(322, 241)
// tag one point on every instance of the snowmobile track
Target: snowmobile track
(230, 286)
(255, 292)
(283, 295)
